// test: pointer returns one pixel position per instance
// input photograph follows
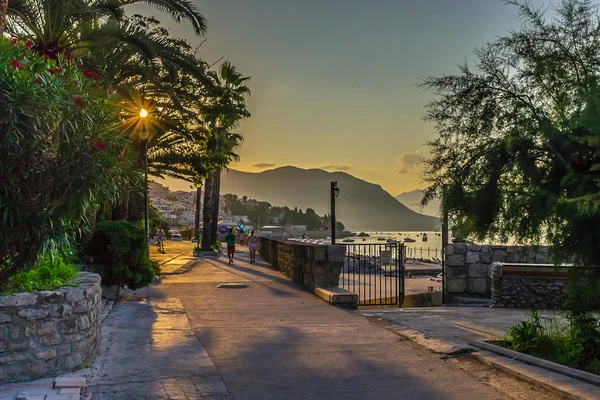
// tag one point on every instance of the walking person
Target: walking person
(230, 239)
(252, 244)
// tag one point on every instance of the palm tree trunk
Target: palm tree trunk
(207, 213)
(121, 212)
(197, 219)
(3, 11)
(216, 192)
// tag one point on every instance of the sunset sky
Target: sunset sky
(334, 81)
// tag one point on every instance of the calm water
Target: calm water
(419, 248)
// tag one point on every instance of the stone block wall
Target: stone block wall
(468, 266)
(310, 265)
(47, 333)
(540, 293)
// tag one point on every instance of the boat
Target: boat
(409, 240)
(348, 240)
(424, 237)
(391, 241)
(362, 234)
(380, 239)
(364, 240)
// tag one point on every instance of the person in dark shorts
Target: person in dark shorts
(230, 239)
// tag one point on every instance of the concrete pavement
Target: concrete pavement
(273, 340)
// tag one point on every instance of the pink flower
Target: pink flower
(17, 64)
(53, 70)
(79, 101)
(14, 39)
(47, 56)
(29, 45)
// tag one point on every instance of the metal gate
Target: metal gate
(375, 272)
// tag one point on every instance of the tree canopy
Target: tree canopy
(518, 133)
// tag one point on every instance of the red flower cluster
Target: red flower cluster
(38, 80)
(29, 45)
(79, 101)
(91, 74)
(53, 70)
(14, 39)
(17, 64)
(98, 146)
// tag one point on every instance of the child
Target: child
(230, 239)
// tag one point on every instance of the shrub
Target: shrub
(59, 150)
(119, 253)
(50, 273)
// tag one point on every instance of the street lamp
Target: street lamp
(143, 115)
(335, 192)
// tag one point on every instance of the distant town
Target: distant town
(178, 209)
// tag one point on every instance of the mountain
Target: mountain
(360, 206)
(413, 199)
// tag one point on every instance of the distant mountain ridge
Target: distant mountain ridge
(361, 205)
(413, 199)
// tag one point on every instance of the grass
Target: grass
(575, 343)
(49, 274)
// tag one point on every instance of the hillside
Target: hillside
(413, 199)
(361, 205)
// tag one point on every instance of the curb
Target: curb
(181, 270)
(537, 378)
(538, 362)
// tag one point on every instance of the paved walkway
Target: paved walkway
(448, 329)
(271, 340)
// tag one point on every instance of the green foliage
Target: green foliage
(50, 273)
(118, 252)
(518, 143)
(60, 151)
(572, 342)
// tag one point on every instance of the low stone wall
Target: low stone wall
(50, 332)
(520, 286)
(468, 266)
(308, 264)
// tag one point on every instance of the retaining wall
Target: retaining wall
(468, 266)
(308, 264)
(47, 333)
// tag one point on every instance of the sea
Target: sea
(431, 248)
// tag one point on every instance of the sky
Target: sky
(334, 82)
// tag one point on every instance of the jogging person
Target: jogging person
(230, 239)
(252, 244)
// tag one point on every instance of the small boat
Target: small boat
(348, 240)
(380, 239)
(391, 241)
(424, 237)
(409, 240)
(364, 240)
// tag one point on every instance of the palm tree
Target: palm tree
(226, 108)
(62, 27)
(3, 10)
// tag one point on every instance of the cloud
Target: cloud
(335, 167)
(410, 161)
(263, 165)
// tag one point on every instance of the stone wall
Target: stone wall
(310, 265)
(47, 333)
(468, 266)
(533, 292)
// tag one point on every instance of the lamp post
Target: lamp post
(143, 115)
(335, 192)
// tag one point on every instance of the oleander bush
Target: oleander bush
(60, 151)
